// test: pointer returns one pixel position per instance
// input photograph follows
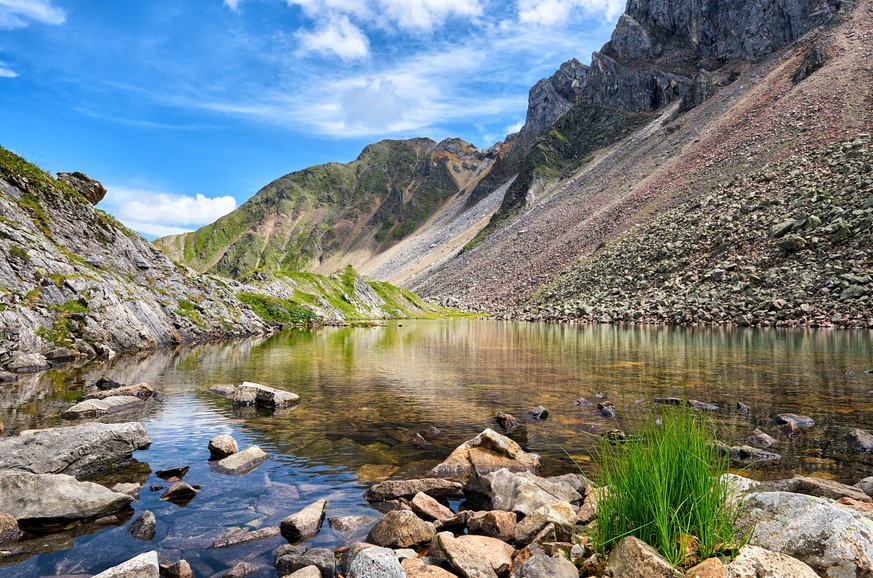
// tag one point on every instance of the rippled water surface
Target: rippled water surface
(366, 391)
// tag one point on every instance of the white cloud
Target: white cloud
(232, 4)
(6, 72)
(20, 13)
(160, 213)
(514, 127)
(557, 12)
(337, 36)
(425, 15)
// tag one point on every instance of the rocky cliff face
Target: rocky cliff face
(74, 282)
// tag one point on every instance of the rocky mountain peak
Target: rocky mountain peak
(551, 97)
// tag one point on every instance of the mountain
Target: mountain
(685, 99)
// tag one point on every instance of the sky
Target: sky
(184, 109)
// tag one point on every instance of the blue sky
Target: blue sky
(185, 108)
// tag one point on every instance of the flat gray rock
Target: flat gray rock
(80, 450)
(242, 462)
(98, 407)
(45, 500)
(143, 566)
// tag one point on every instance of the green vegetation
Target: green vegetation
(666, 488)
(62, 329)
(277, 310)
(19, 253)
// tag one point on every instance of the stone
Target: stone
(305, 523)
(582, 401)
(467, 561)
(866, 486)
(487, 452)
(606, 409)
(289, 558)
(576, 481)
(633, 558)
(497, 552)
(403, 553)
(561, 514)
(747, 455)
(179, 493)
(131, 489)
(709, 568)
(831, 539)
(91, 189)
(429, 509)
(761, 439)
(249, 394)
(177, 472)
(346, 524)
(142, 566)
(376, 563)
(62, 354)
(141, 390)
(307, 572)
(520, 492)
(105, 383)
(755, 562)
(351, 552)
(27, 363)
(523, 555)
(97, 407)
(240, 570)
(542, 566)
(859, 440)
(222, 446)
(743, 408)
(401, 529)
(415, 568)
(539, 412)
(396, 489)
(180, 569)
(246, 537)
(39, 501)
(506, 421)
(799, 420)
(143, 528)
(9, 531)
(242, 462)
(818, 487)
(494, 523)
(7, 377)
(736, 485)
(223, 389)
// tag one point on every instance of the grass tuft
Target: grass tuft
(665, 487)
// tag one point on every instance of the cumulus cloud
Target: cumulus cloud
(161, 213)
(556, 12)
(20, 13)
(407, 15)
(337, 36)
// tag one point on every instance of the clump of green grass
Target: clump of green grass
(665, 487)
(277, 310)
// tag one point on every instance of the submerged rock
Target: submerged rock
(141, 390)
(305, 523)
(747, 455)
(249, 394)
(487, 452)
(539, 412)
(761, 439)
(41, 502)
(859, 440)
(97, 407)
(347, 524)
(143, 528)
(506, 421)
(242, 462)
(180, 494)
(798, 420)
(81, 451)
(246, 537)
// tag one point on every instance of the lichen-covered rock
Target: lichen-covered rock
(833, 540)
(376, 563)
(755, 562)
(91, 189)
(487, 452)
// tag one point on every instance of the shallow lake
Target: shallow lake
(367, 391)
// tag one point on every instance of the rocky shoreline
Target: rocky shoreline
(484, 512)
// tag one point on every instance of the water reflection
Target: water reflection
(367, 391)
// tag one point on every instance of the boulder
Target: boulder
(761, 439)
(249, 394)
(487, 452)
(401, 529)
(755, 562)
(539, 412)
(350, 553)
(180, 494)
(246, 537)
(98, 407)
(9, 531)
(242, 462)
(494, 523)
(307, 572)
(376, 563)
(833, 540)
(222, 446)
(429, 509)
(396, 489)
(27, 363)
(416, 568)
(747, 455)
(91, 189)
(542, 566)
(866, 486)
(798, 420)
(305, 523)
(506, 421)
(561, 514)
(633, 558)
(521, 492)
(817, 487)
(346, 524)
(290, 558)
(173, 474)
(143, 528)
(497, 552)
(180, 569)
(141, 390)
(45, 501)
(463, 557)
(859, 440)
(142, 566)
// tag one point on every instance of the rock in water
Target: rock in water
(859, 440)
(143, 566)
(9, 531)
(761, 439)
(98, 407)
(177, 472)
(141, 390)
(487, 452)
(242, 462)
(44, 501)
(539, 412)
(395, 489)
(249, 394)
(798, 420)
(179, 494)
(506, 421)
(401, 529)
(222, 446)
(305, 523)
(143, 528)
(180, 569)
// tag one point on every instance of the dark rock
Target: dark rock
(180, 494)
(760, 439)
(539, 412)
(9, 531)
(105, 383)
(7, 377)
(813, 62)
(859, 440)
(747, 455)
(177, 472)
(800, 420)
(288, 559)
(606, 409)
(506, 421)
(143, 528)
(743, 408)
(551, 97)
(305, 523)
(62, 354)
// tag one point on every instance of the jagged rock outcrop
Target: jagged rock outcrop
(551, 97)
(92, 189)
(72, 277)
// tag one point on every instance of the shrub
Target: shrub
(665, 487)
